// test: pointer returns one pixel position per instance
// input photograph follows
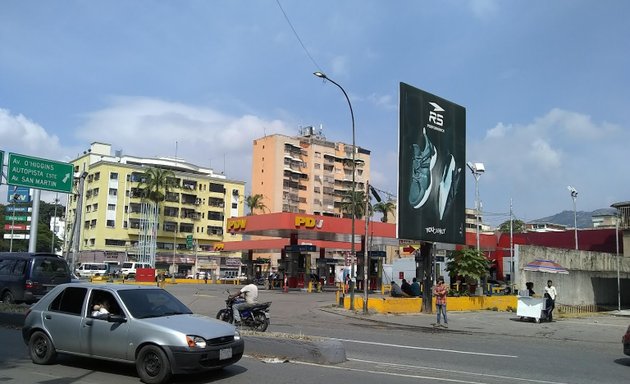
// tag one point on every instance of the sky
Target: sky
(545, 85)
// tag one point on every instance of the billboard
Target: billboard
(431, 168)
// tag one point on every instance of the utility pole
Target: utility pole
(366, 252)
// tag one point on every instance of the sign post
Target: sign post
(33, 172)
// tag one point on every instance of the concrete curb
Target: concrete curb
(12, 319)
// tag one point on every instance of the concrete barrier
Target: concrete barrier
(414, 304)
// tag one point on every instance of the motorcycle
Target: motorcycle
(256, 317)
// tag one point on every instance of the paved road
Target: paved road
(479, 347)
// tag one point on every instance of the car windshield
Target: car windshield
(145, 303)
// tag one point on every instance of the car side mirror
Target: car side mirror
(116, 318)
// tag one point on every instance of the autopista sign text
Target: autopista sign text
(39, 173)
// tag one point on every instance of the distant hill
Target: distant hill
(584, 219)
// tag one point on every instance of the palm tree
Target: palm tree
(157, 184)
(359, 204)
(386, 208)
(255, 202)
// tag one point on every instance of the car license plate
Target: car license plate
(225, 353)
(267, 314)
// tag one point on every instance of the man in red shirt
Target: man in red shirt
(439, 292)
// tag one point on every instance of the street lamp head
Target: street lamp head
(476, 168)
(573, 191)
(320, 74)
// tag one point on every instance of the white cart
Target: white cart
(531, 307)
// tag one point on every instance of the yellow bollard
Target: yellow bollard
(310, 287)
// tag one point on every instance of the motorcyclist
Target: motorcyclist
(250, 294)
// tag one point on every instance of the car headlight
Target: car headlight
(237, 335)
(195, 341)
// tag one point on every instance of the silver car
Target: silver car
(143, 325)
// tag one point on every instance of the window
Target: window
(6, 266)
(317, 166)
(95, 207)
(113, 192)
(113, 176)
(103, 299)
(217, 188)
(114, 242)
(111, 207)
(234, 205)
(111, 223)
(70, 300)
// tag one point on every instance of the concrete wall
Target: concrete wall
(592, 278)
(414, 304)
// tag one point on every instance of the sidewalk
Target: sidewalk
(602, 327)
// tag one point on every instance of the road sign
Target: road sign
(17, 227)
(373, 254)
(12, 208)
(39, 173)
(17, 218)
(17, 194)
(300, 248)
(17, 236)
(1, 164)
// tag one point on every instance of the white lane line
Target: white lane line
(510, 378)
(427, 349)
(390, 374)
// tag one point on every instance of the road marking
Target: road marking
(427, 349)
(390, 373)
(510, 378)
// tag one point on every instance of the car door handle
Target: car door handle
(47, 317)
(89, 322)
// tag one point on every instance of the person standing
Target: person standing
(553, 293)
(439, 292)
(250, 294)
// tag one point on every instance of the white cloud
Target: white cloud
(203, 136)
(21, 135)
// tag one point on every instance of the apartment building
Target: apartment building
(113, 215)
(306, 173)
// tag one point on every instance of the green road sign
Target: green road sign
(189, 241)
(17, 218)
(33, 172)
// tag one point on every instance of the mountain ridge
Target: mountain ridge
(566, 218)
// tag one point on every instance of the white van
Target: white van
(91, 269)
(129, 268)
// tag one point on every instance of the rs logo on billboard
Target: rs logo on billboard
(308, 222)
(237, 224)
(435, 117)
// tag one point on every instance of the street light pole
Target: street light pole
(617, 217)
(477, 169)
(574, 194)
(354, 165)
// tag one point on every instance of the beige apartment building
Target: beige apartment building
(306, 173)
(113, 224)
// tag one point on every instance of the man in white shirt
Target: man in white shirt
(551, 291)
(250, 294)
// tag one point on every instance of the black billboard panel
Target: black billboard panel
(431, 166)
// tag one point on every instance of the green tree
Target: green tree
(468, 263)
(255, 202)
(518, 226)
(157, 184)
(359, 204)
(386, 208)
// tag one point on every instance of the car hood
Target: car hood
(193, 324)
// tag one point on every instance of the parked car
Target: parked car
(129, 268)
(26, 276)
(199, 275)
(141, 325)
(625, 340)
(92, 269)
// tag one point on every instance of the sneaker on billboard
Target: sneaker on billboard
(448, 186)
(422, 164)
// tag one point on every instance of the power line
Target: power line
(297, 36)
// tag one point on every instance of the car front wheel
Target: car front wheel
(153, 366)
(41, 348)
